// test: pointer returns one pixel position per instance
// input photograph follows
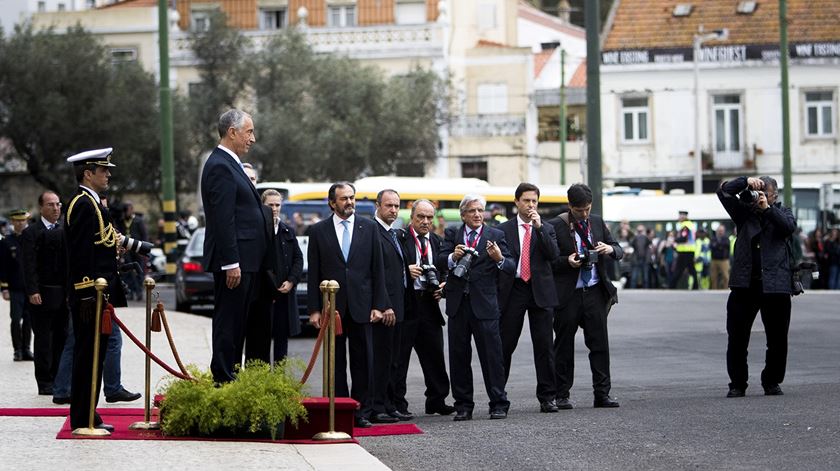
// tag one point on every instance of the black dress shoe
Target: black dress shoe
(27, 355)
(383, 418)
(563, 403)
(773, 390)
(462, 415)
(442, 409)
(402, 415)
(123, 396)
(549, 406)
(498, 414)
(605, 401)
(61, 400)
(362, 422)
(18, 356)
(104, 426)
(45, 391)
(736, 392)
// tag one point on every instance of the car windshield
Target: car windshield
(195, 248)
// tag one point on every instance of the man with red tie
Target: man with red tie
(533, 246)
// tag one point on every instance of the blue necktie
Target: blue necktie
(471, 238)
(345, 240)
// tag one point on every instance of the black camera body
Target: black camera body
(462, 268)
(140, 247)
(809, 269)
(588, 258)
(749, 196)
(431, 274)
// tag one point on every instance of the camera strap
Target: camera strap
(583, 233)
(477, 233)
(422, 246)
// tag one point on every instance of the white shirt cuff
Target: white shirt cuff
(231, 266)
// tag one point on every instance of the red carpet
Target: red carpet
(64, 411)
(393, 429)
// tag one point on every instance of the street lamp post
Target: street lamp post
(699, 39)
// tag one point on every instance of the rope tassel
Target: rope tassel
(106, 319)
(156, 313)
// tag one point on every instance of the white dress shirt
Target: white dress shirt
(339, 227)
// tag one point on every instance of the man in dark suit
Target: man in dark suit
(92, 244)
(347, 249)
(12, 285)
(386, 334)
(533, 246)
(234, 241)
(585, 295)
(45, 276)
(473, 308)
(274, 315)
(421, 329)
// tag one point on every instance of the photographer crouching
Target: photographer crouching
(760, 279)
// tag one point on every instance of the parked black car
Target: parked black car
(194, 286)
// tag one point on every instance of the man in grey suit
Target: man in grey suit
(234, 240)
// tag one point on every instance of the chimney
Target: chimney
(564, 10)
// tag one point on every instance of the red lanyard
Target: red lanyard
(423, 253)
(477, 236)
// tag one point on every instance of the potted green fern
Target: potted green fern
(257, 403)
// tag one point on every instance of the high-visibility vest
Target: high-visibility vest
(688, 230)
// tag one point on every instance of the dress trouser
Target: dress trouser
(357, 341)
(85, 335)
(587, 309)
(685, 260)
(422, 331)
(488, 343)
(741, 310)
(230, 318)
(20, 327)
(50, 330)
(383, 338)
(540, 321)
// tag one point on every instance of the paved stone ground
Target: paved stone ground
(668, 371)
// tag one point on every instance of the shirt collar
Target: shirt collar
(337, 220)
(383, 223)
(520, 221)
(47, 223)
(232, 154)
(92, 193)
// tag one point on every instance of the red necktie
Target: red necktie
(525, 267)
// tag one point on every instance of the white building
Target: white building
(13, 12)
(648, 107)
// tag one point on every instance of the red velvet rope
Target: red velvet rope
(154, 357)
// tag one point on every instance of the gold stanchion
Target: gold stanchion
(332, 288)
(90, 431)
(325, 350)
(147, 423)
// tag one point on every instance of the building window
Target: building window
(274, 18)
(200, 21)
(342, 15)
(42, 7)
(410, 12)
(726, 110)
(819, 114)
(123, 54)
(62, 7)
(635, 120)
(486, 18)
(492, 98)
(475, 169)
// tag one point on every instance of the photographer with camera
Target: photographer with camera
(475, 254)
(533, 246)
(760, 279)
(585, 295)
(422, 327)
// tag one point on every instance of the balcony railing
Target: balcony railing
(489, 125)
(359, 42)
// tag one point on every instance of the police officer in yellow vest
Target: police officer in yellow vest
(686, 233)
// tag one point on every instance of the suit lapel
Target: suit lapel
(332, 238)
(513, 239)
(356, 236)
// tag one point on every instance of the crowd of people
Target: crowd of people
(558, 272)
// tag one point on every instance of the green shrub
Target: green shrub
(258, 399)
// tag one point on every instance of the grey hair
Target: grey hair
(271, 192)
(231, 118)
(469, 199)
(421, 200)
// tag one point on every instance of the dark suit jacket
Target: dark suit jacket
(235, 219)
(565, 276)
(45, 262)
(86, 258)
(11, 263)
(543, 252)
(361, 278)
(483, 276)
(395, 268)
(287, 265)
(410, 251)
